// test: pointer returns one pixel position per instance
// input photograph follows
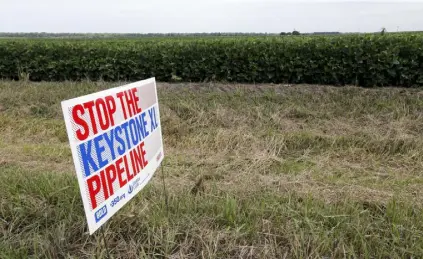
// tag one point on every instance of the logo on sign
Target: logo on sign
(101, 213)
(133, 186)
(117, 200)
(159, 156)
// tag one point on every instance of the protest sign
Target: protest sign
(116, 141)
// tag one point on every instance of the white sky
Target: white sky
(141, 16)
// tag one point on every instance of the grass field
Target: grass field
(262, 171)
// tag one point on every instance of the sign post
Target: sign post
(116, 141)
(105, 243)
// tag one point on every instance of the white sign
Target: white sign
(116, 141)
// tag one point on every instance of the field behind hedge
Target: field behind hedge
(365, 60)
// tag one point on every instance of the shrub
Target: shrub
(369, 60)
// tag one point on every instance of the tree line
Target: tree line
(146, 35)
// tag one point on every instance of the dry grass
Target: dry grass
(253, 172)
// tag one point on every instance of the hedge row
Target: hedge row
(395, 60)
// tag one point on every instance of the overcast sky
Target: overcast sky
(141, 16)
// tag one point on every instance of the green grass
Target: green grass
(252, 172)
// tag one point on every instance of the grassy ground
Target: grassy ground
(252, 172)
